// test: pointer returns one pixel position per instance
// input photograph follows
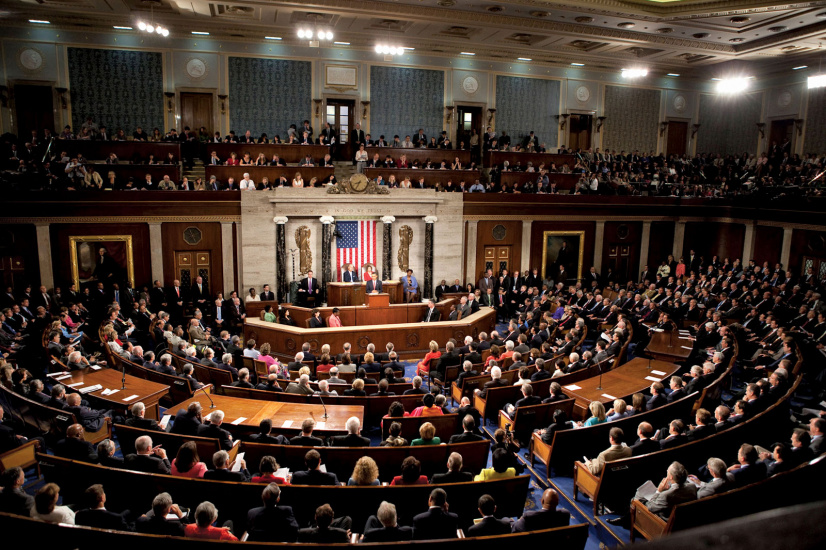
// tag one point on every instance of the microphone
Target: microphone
(123, 377)
(211, 402)
(325, 417)
(599, 366)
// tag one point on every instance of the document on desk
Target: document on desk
(320, 425)
(572, 387)
(130, 398)
(653, 379)
(287, 424)
(687, 347)
(661, 373)
(76, 384)
(238, 420)
(608, 396)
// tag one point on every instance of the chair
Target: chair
(426, 377)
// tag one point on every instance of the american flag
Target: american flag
(357, 244)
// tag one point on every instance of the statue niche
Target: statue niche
(302, 241)
(405, 238)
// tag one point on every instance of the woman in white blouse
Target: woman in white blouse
(361, 159)
(252, 296)
(298, 181)
(405, 183)
(46, 509)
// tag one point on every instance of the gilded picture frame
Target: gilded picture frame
(552, 245)
(84, 252)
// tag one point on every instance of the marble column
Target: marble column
(327, 229)
(427, 291)
(786, 247)
(226, 250)
(645, 243)
(748, 242)
(526, 246)
(599, 234)
(282, 286)
(44, 253)
(156, 251)
(387, 250)
(470, 252)
(679, 239)
(240, 255)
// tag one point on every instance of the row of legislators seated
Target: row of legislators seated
(737, 418)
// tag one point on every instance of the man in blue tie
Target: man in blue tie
(219, 316)
(308, 288)
(350, 276)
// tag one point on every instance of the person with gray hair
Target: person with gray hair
(223, 468)
(674, 489)
(719, 481)
(157, 523)
(205, 515)
(106, 454)
(352, 439)
(147, 458)
(495, 382)
(138, 420)
(454, 471)
(301, 387)
(384, 527)
(324, 389)
(467, 371)
(417, 387)
(214, 430)
(243, 379)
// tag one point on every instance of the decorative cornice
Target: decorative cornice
(675, 219)
(119, 219)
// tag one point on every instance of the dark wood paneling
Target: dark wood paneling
(805, 243)
(422, 155)
(564, 182)
(660, 244)
(537, 243)
(272, 173)
(768, 240)
(287, 153)
(484, 237)
(623, 234)
(173, 241)
(20, 241)
(431, 177)
(100, 150)
(61, 263)
(713, 238)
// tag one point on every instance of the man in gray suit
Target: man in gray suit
(673, 490)
(719, 482)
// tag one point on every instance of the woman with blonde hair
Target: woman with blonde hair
(46, 509)
(298, 181)
(597, 415)
(366, 472)
(423, 368)
(619, 410)
(427, 435)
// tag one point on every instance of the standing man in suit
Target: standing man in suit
(308, 288)
(267, 295)
(373, 285)
(432, 314)
(357, 137)
(350, 276)
(175, 298)
(437, 522)
(547, 518)
(486, 282)
(199, 294)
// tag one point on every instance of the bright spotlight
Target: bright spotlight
(817, 81)
(301, 33)
(150, 29)
(329, 35)
(634, 73)
(732, 85)
(142, 25)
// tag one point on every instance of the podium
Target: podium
(382, 299)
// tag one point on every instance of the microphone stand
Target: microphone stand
(211, 402)
(599, 385)
(123, 377)
(325, 417)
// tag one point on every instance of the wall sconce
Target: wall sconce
(61, 94)
(491, 112)
(365, 104)
(761, 127)
(600, 122)
(449, 113)
(4, 96)
(694, 129)
(223, 98)
(563, 121)
(317, 107)
(663, 127)
(169, 103)
(798, 124)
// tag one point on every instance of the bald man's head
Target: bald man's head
(550, 499)
(75, 431)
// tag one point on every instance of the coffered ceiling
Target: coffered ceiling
(686, 36)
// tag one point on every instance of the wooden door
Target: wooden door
(781, 131)
(468, 118)
(580, 131)
(619, 260)
(13, 271)
(676, 141)
(497, 258)
(189, 265)
(818, 266)
(35, 109)
(196, 111)
(342, 117)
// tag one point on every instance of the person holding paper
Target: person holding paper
(615, 452)
(227, 471)
(214, 429)
(268, 472)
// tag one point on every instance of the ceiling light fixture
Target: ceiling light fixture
(272, 38)
(732, 85)
(800, 67)
(578, 64)
(817, 81)
(152, 28)
(467, 53)
(342, 43)
(389, 50)
(673, 74)
(202, 33)
(318, 34)
(40, 21)
(524, 59)
(121, 28)
(634, 73)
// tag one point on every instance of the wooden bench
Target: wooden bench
(180, 389)
(23, 456)
(55, 535)
(472, 383)
(219, 378)
(125, 489)
(446, 425)
(207, 446)
(534, 417)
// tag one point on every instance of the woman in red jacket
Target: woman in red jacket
(423, 368)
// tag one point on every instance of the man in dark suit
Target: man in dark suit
(657, 398)
(138, 420)
(306, 438)
(350, 276)
(431, 314)
(383, 527)
(324, 532)
(199, 294)
(267, 295)
(157, 524)
(490, 525)
(352, 439)
(467, 371)
(644, 443)
(272, 523)
(548, 517)
(13, 499)
(465, 408)
(469, 434)
(214, 429)
(147, 458)
(313, 474)
(91, 419)
(308, 288)
(186, 422)
(748, 469)
(265, 434)
(437, 522)
(175, 298)
(75, 446)
(677, 391)
(675, 436)
(705, 426)
(223, 472)
(357, 136)
(454, 472)
(495, 382)
(96, 514)
(373, 285)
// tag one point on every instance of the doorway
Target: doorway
(580, 127)
(676, 141)
(619, 261)
(497, 258)
(34, 107)
(468, 118)
(341, 116)
(781, 132)
(196, 111)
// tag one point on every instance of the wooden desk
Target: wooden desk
(100, 150)
(254, 411)
(349, 294)
(149, 393)
(422, 155)
(620, 382)
(272, 173)
(287, 153)
(669, 346)
(136, 171)
(380, 299)
(499, 157)
(431, 177)
(564, 182)
(400, 324)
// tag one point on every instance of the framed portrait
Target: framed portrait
(562, 255)
(102, 258)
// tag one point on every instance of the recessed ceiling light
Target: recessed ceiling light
(409, 49)
(715, 79)
(798, 68)
(817, 81)
(342, 43)
(467, 53)
(41, 21)
(578, 64)
(122, 28)
(524, 59)
(673, 74)
(272, 38)
(200, 32)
